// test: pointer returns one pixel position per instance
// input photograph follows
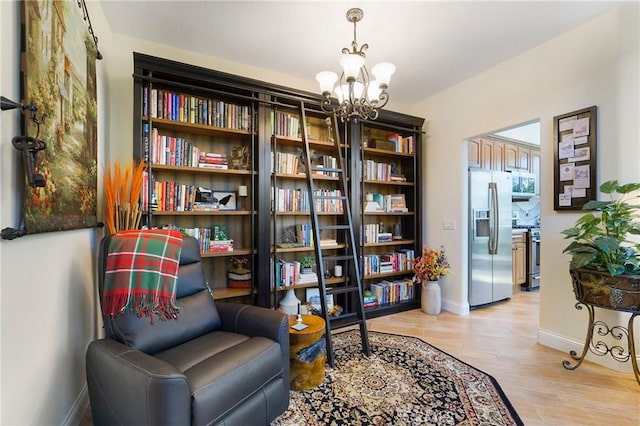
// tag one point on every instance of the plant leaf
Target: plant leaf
(609, 187)
(627, 188)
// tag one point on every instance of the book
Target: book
(213, 166)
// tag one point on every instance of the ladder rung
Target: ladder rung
(341, 290)
(346, 320)
(335, 227)
(334, 258)
(329, 197)
(326, 169)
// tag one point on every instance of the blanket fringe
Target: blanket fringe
(142, 304)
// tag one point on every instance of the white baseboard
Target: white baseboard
(565, 344)
(79, 407)
(456, 308)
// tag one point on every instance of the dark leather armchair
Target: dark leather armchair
(217, 364)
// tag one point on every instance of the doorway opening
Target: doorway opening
(516, 152)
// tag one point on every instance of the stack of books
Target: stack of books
(212, 160)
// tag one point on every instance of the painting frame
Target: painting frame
(575, 159)
(59, 78)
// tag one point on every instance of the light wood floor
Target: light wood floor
(501, 340)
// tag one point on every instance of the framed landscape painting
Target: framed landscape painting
(59, 77)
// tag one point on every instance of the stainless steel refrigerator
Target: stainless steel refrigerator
(490, 277)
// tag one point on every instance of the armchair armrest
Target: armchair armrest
(130, 387)
(254, 321)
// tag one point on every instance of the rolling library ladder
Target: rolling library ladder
(343, 227)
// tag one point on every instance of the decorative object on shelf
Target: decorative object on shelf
(359, 97)
(290, 303)
(428, 269)
(397, 231)
(605, 269)
(306, 264)
(335, 311)
(239, 276)
(329, 130)
(337, 271)
(240, 158)
(227, 200)
(242, 194)
(122, 189)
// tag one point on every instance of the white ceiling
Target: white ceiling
(434, 44)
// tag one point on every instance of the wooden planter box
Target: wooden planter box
(621, 293)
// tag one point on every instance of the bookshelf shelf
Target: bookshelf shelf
(391, 243)
(388, 182)
(230, 293)
(196, 129)
(385, 153)
(185, 169)
(204, 213)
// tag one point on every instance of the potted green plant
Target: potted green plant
(605, 261)
(306, 264)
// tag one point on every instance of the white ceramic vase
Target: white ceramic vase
(289, 303)
(430, 299)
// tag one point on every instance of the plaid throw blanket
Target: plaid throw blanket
(141, 273)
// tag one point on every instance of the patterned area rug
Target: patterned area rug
(405, 382)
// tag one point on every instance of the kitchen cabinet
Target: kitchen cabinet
(473, 152)
(486, 154)
(536, 160)
(519, 258)
(493, 154)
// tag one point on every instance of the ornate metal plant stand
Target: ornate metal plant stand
(621, 293)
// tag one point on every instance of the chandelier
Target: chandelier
(359, 97)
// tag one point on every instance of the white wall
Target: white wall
(47, 283)
(595, 64)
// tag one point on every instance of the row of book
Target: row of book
(287, 273)
(286, 162)
(399, 261)
(392, 203)
(297, 200)
(371, 233)
(285, 124)
(168, 196)
(372, 170)
(396, 291)
(206, 240)
(184, 108)
(404, 144)
(174, 151)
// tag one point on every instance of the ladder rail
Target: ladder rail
(351, 271)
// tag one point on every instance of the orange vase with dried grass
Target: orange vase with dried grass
(122, 189)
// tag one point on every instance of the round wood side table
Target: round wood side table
(307, 353)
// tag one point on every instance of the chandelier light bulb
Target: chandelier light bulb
(351, 64)
(326, 80)
(358, 90)
(382, 72)
(373, 91)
